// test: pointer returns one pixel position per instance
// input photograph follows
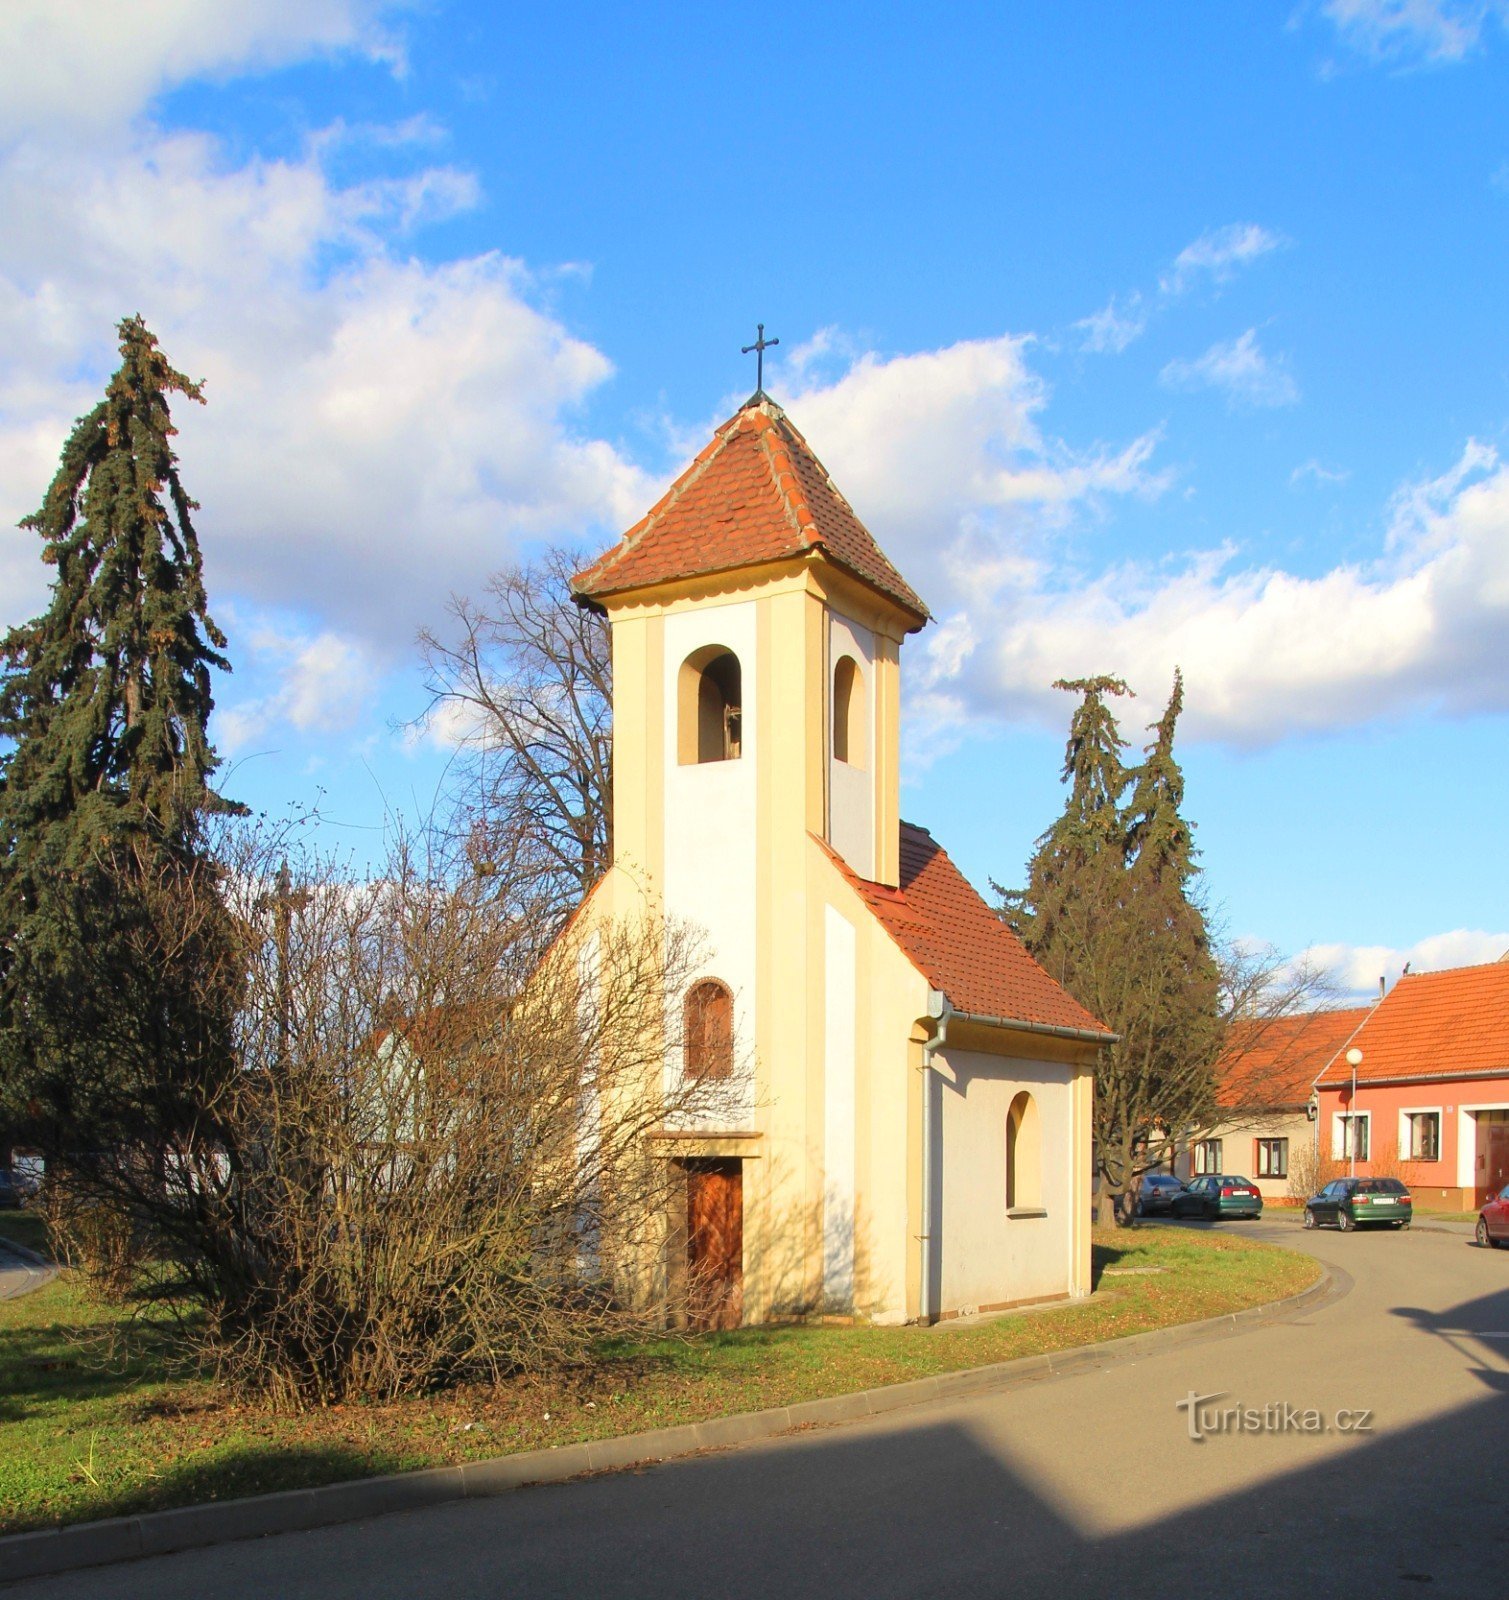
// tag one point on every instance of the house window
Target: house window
(848, 712)
(1273, 1158)
(1024, 1156)
(1205, 1156)
(1351, 1137)
(1424, 1136)
(708, 1040)
(710, 707)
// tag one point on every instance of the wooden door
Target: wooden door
(1493, 1165)
(715, 1243)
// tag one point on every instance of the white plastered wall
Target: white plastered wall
(988, 1257)
(851, 785)
(710, 840)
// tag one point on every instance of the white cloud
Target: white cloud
(379, 431)
(1266, 654)
(1411, 32)
(945, 457)
(1110, 330)
(1218, 253)
(1317, 472)
(1356, 969)
(80, 66)
(322, 683)
(1239, 369)
(950, 439)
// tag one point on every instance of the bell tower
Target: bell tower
(757, 631)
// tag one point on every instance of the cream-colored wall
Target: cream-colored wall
(988, 1256)
(840, 1087)
(835, 1014)
(1239, 1136)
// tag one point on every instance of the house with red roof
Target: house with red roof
(905, 1133)
(1265, 1124)
(1427, 1097)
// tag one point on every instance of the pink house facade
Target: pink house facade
(1428, 1101)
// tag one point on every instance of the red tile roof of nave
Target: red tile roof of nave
(1273, 1064)
(959, 944)
(1435, 1025)
(756, 494)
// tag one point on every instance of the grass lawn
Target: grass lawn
(86, 1437)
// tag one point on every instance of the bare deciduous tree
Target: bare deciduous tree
(526, 675)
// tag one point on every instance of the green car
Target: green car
(1354, 1202)
(1217, 1195)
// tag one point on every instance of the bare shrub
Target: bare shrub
(433, 1159)
(1310, 1169)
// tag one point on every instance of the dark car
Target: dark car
(1217, 1195)
(13, 1192)
(1156, 1193)
(1493, 1220)
(1358, 1202)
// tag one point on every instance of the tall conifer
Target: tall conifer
(105, 785)
(1110, 910)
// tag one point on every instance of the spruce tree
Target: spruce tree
(1086, 839)
(1158, 839)
(1111, 911)
(106, 781)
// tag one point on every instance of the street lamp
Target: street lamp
(1354, 1060)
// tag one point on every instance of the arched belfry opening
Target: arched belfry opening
(710, 707)
(849, 713)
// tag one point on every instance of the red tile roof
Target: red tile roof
(1435, 1025)
(755, 494)
(959, 944)
(1273, 1064)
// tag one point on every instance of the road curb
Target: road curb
(91, 1544)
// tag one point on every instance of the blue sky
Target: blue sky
(1136, 336)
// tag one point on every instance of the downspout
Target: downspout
(939, 1011)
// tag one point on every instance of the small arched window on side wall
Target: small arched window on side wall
(709, 707)
(708, 1030)
(849, 712)
(1024, 1156)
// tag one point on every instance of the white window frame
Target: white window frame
(1339, 1120)
(1407, 1128)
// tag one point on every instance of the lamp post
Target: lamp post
(1354, 1060)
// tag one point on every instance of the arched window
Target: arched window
(708, 1043)
(1024, 1156)
(848, 712)
(710, 707)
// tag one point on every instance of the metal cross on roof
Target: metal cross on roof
(760, 346)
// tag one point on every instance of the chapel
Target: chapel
(906, 1130)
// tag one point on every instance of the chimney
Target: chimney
(1382, 987)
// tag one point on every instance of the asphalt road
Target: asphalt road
(1084, 1485)
(19, 1274)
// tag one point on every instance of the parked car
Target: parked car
(1493, 1220)
(1217, 1195)
(1355, 1202)
(13, 1192)
(1156, 1192)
